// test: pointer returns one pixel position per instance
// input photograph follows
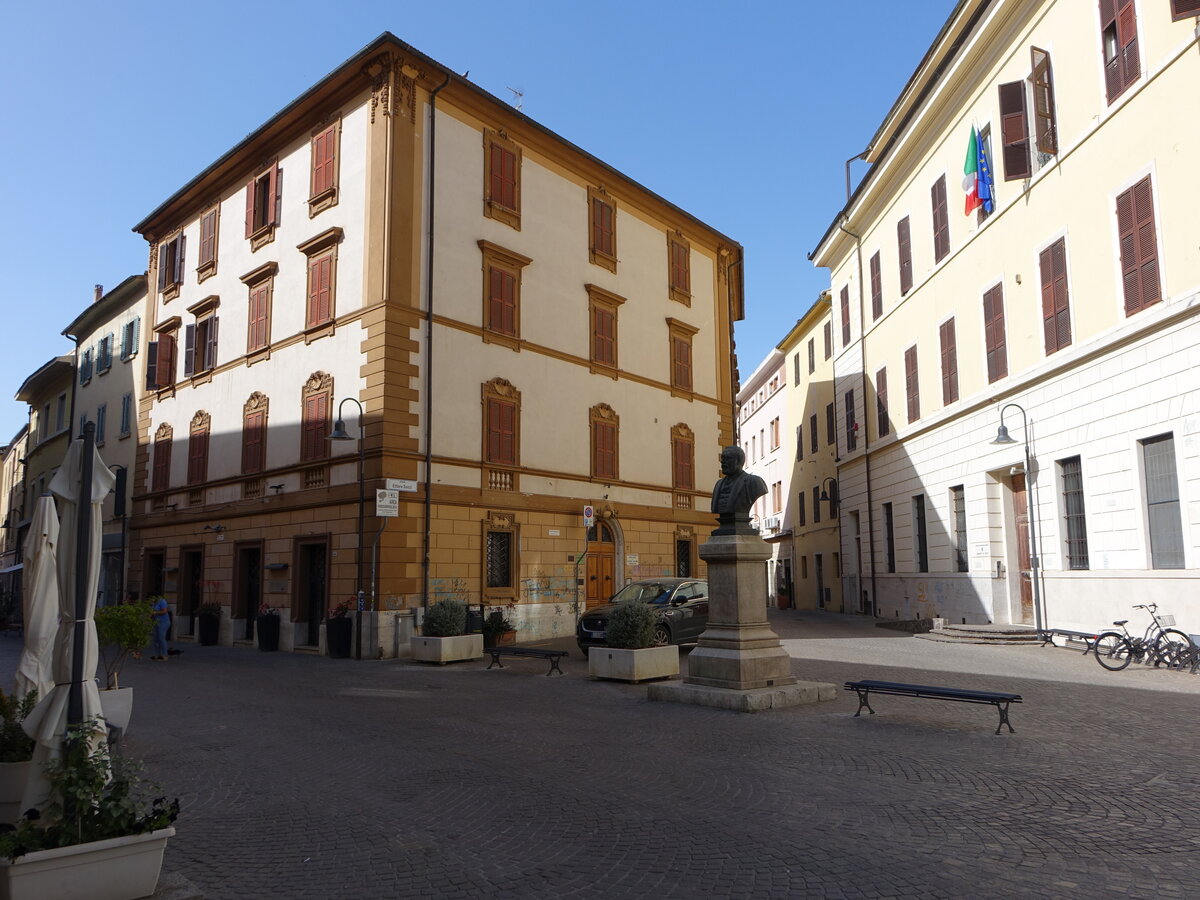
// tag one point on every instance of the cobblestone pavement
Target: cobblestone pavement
(305, 777)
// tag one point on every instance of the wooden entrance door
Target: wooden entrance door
(312, 587)
(248, 591)
(601, 561)
(191, 588)
(1021, 517)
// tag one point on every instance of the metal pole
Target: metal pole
(1033, 522)
(359, 554)
(83, 549)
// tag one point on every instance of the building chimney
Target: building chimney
(99, 292)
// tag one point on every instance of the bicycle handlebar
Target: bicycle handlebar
(1150, 606)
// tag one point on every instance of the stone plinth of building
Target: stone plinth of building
(739, 663)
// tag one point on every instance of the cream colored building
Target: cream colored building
(527, 331)
(110, 373)
(12, 509)
(1076, 299)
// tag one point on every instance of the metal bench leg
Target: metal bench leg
(495, 660)
(554, 667)
(1002, 708)
(862, 701)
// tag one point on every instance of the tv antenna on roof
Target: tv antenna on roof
(517, 95)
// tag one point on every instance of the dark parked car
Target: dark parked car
(681, 605)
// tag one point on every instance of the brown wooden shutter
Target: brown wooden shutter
(828, 334)
(602, 227)
(814, 439)
(1183, 9)
(604, 450)
(163, 265)
(256, 332)
(681, 352)
(941, 220)
(1139, 247)
(876, 288)
(323, 161)
(911, 384)
(949, 363)
(502, 169)
(197, 457)
(1127, 41)
(904, 245)
(161, 479)
(166, 360)
(208, 234)
(683, 468)
(1014, 131)
(1056, 313)
(210, 344)
(604, 336)
(274, 194)
(845, 304)
(1046, 127)
(881, 402)
(252, 442)
(993, 325)
(250, 208)
(316, 427)
(502, 305)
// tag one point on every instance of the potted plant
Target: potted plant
(630, 654)
(121, 630)
(96, 838)
(16, 752)
(266, 627)
(442, 639)
(337, 631)
(497, 629)
(209, 617)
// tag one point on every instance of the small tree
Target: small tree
(446, 618)
(122, 630)
(630, 626)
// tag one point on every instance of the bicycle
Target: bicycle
(1159, 644)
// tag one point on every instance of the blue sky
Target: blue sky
(741, 113)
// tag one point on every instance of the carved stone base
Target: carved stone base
(799, 693)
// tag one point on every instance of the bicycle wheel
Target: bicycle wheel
(1171, 648)
(1113, 651)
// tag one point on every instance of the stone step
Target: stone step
(968, 638)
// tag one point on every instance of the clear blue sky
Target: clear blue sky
(741, 113)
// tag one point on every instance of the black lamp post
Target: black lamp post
(1002, 437)
(340, 434)
(830, 496)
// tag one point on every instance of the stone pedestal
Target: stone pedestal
(739, 663)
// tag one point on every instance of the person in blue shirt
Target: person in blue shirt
(162, 622)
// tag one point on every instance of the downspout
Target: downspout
(429, 340)
(733, 379)
(74, 387)
(866, 431)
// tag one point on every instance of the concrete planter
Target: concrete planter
(121, 868)
(442, 650)
(13, 778)
(634, 665)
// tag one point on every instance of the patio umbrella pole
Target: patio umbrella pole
(83, 527)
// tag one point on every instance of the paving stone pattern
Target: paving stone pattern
(305, 777)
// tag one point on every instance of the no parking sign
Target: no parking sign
(589, 516)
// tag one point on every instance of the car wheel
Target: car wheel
(660, 637)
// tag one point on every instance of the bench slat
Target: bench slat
(926, 690)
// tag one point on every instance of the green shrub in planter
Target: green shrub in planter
(630, 626)
(122, 630)
(446, 618)
(15, 744)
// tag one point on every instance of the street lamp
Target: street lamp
(830, 496)
(1002, 437)
(340, 434)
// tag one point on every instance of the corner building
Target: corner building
(1075, 298)
(526, 331)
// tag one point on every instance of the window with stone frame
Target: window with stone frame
(912, 384)
(254, 433)
(680, 336)
(501, 178)
(679, 268)
(1141, 282)
(200, 338)
(1119, 46)
(198, 433)
(170, 265)
(502, 294)
(264, 202)
(323, 173)
(260, 285)
(995, 343)
(683, 464)
(949, 344)
(161, 355)
(501, 562)
(602, 312)
(209, 228)
(317, 401)
(160, 477)
(602, 228)
(320, 308)
(501, 452)
(605, 430)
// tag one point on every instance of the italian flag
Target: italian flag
(977, 175)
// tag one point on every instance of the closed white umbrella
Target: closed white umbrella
(40, 607)
(47, 723)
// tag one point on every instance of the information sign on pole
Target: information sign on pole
(387, 503)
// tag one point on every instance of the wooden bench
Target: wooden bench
(997, 699)
(1087, 638)
(527, 653)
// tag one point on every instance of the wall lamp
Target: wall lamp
(829, 496)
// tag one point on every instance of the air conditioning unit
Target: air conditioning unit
(773, 523)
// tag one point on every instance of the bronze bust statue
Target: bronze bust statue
(735, 493)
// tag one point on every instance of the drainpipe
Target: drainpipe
(429, 340)
(733, 387)
(866, 431)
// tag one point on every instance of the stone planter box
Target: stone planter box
(13, 778)
(442, 650)
(116, 869)
(634, 665)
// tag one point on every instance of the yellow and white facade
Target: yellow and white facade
(526, 331)
(1076, 299)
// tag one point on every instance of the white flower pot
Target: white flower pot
(442, 650)
(13, 778)
(121, 868)
(633, 665)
